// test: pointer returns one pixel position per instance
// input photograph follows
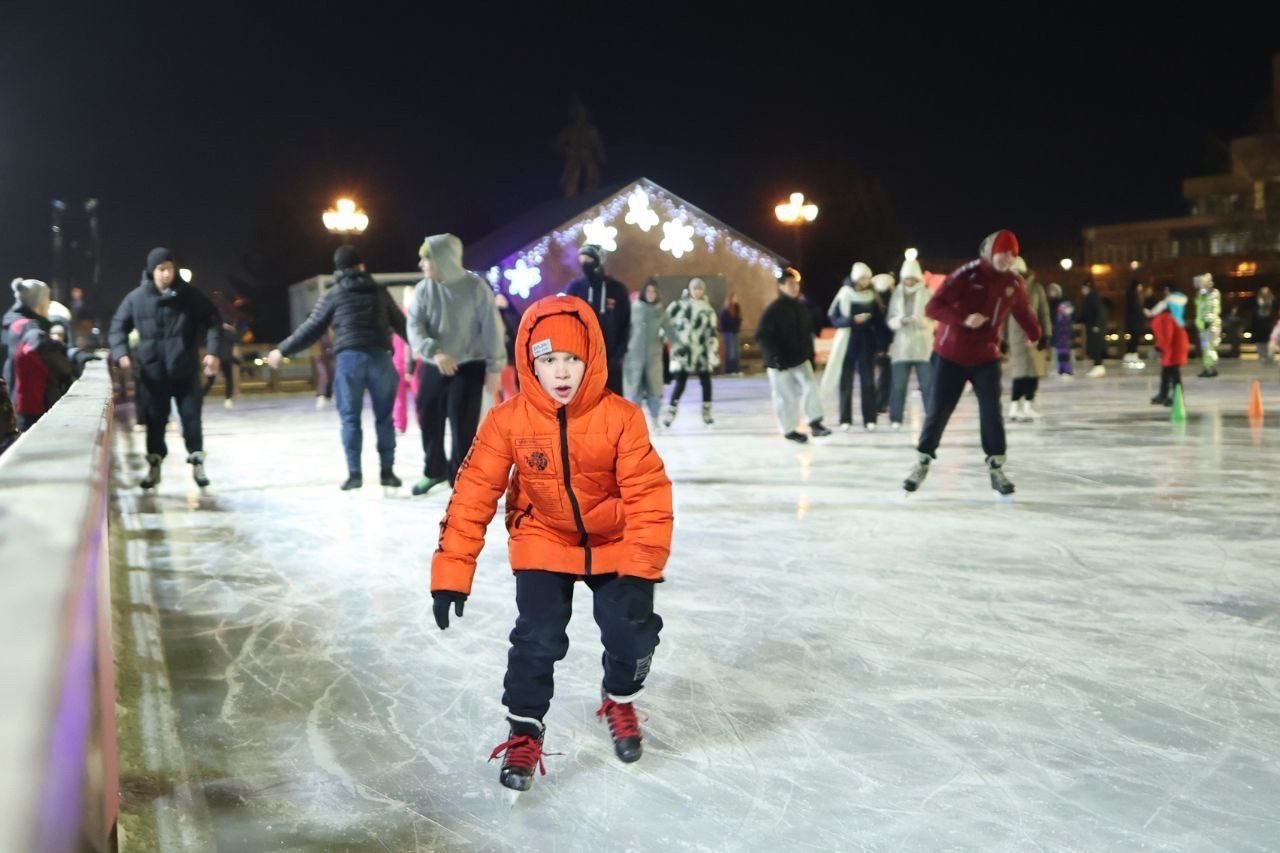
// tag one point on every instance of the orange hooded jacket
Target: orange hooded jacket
(588, 495)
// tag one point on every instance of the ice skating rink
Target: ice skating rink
(1094, 665)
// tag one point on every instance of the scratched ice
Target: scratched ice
(1092, 666)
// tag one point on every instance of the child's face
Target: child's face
(560, 374)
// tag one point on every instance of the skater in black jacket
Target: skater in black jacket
(172, 319)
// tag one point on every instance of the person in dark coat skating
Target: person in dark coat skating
(363, 316)
(172, 319)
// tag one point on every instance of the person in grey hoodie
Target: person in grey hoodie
(642, 366)
(457, 335)
(912, 344)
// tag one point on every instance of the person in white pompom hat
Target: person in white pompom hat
(860, 332)
(912, 343)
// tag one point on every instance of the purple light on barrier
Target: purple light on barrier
(61, 801)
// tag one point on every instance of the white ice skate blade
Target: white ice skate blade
(1002, 499)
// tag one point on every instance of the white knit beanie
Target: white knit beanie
(911, 269)
(859, 272)
(30, 291)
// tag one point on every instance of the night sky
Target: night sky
(224, 133)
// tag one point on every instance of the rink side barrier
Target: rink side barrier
(59, 780)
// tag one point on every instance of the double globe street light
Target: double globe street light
(345, 218)
(796, 213)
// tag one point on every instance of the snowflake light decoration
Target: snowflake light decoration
(522, 278)
(677, 238)
(602, 235)
(640, 215)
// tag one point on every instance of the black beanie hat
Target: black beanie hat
(158, 256)
(346, 257)
(592, 250)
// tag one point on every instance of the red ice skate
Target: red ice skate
(521, 753)
(623, 726)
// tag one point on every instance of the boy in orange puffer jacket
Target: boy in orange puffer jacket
(588, 500)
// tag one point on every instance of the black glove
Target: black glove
(1004, 347)
(1043, 343)
(441, 599)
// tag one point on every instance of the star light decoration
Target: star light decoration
(640, 214)
(656, 205)
(522, 279)
(677, 238)
(604, 236)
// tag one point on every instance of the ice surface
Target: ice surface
(1092, 666)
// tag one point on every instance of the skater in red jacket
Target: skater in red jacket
(1172, 342)
(971, 307)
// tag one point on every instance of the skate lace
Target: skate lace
(621, 718)
(522, 752)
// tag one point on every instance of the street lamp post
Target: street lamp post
(796, 213)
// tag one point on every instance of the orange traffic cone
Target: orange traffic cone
(1255, 401)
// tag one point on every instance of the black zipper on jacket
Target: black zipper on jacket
(528, 511)
(563, 417)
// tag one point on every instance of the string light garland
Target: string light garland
(646, 204)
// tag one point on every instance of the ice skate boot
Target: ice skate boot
(153, 471)
(390, 480)
(1015, 411)
(797, 437)
(817, 430)
(521, 753)
(624, 728)
(354, 481)
(918, 473)
(999, 482)
(706, 414)
(426, 484)
(197, 468)
(668, 415)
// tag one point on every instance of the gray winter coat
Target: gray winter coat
(1024, 359)
(649, 324)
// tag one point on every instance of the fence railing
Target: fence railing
(58, 782)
